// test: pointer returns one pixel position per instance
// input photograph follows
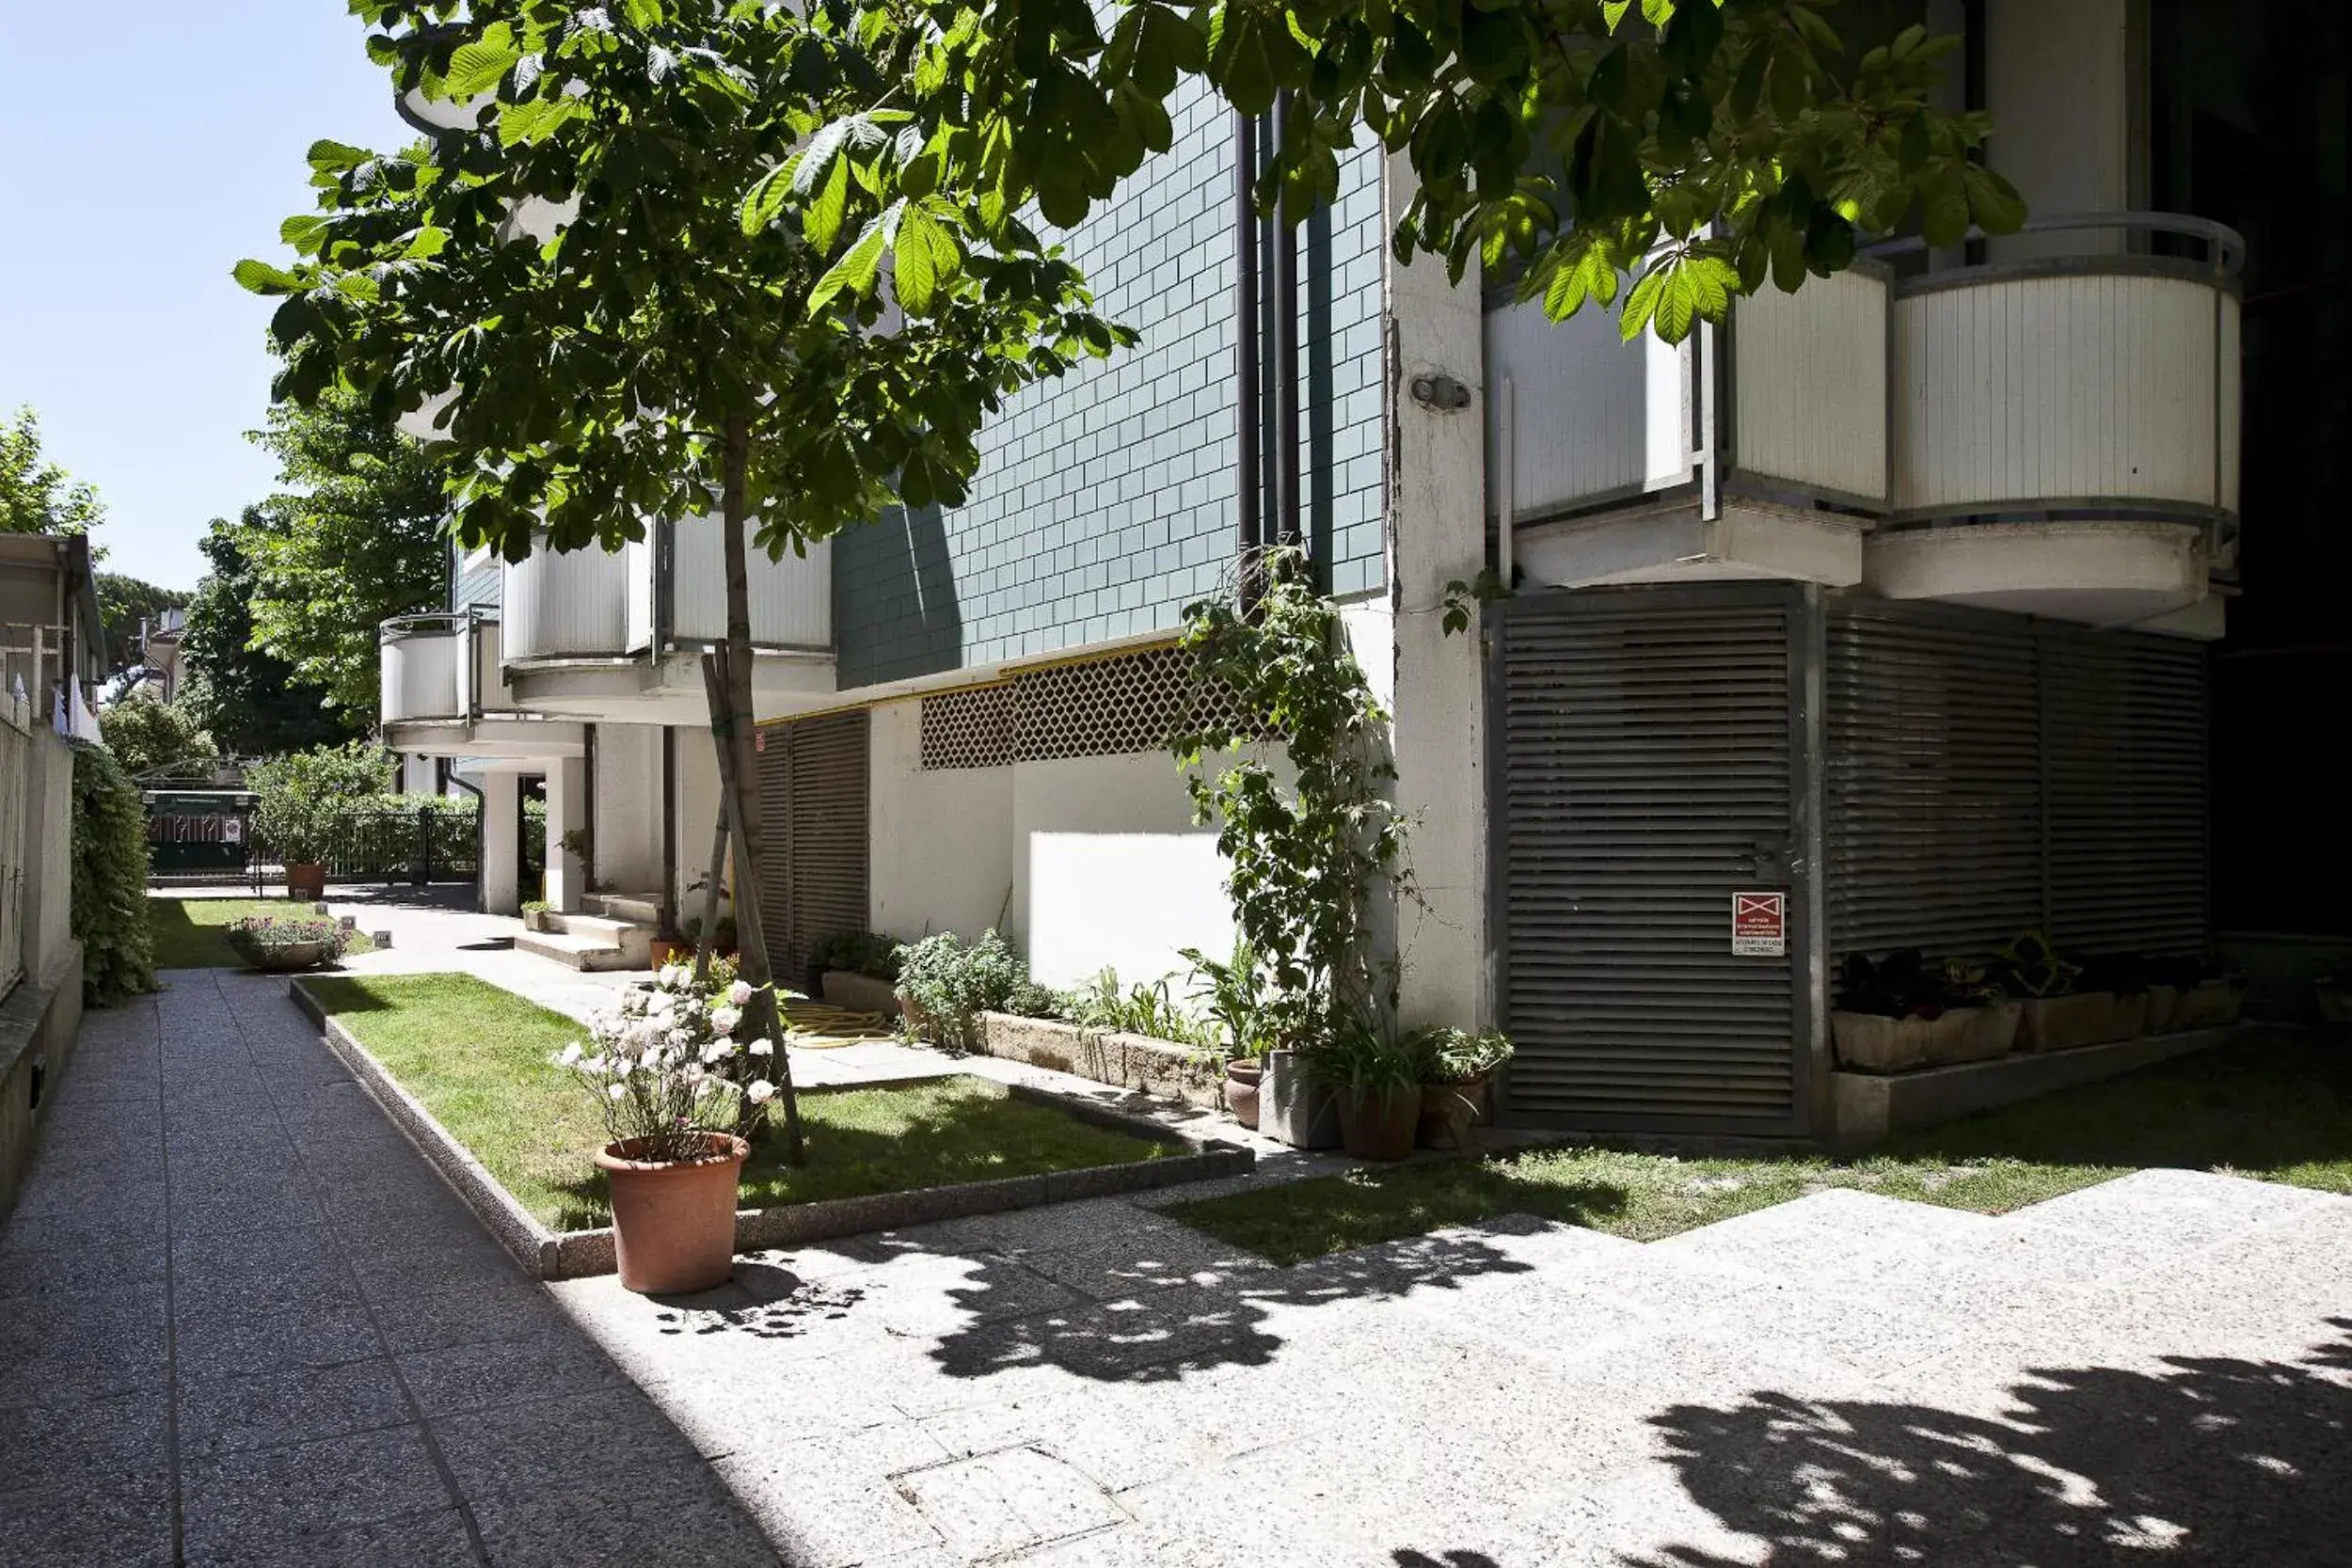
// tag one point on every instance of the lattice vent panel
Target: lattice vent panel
(1096, 708)
(972, 728)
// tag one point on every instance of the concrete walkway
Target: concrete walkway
(240, 1321)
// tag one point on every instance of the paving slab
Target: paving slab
(254, 1329)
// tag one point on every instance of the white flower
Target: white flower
(762, 1048)
(725, 1019)
(681, 1039)
(633, 1005)
(740, 994)
(569, 1055)
(676, 975)
(618, 1091)
(718, 1051)
(694, 1075)
(760, 1092)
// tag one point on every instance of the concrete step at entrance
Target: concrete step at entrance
(575, 951)
(618, 933)
(641, 909)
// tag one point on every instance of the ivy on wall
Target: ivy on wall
(110, 880)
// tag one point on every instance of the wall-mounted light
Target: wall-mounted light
(1441, 392)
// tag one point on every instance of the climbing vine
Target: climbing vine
(110, 880)
(1314, 858)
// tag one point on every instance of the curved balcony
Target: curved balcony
(422, 659)
(1756, 448)
(573, 604)
(2065, 423)
(444, 692)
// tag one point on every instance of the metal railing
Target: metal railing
(2225, 248)
(193, 841)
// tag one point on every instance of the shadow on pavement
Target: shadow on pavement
(2210, 1462)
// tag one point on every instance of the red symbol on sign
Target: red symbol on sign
(1760, 923)
(759, 741)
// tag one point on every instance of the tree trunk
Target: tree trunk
(733, 729)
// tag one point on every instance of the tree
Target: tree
(571, 263)
(354, 538)
(146, 732)
(1693, 147)
(35, 495)
(249, 701)
(127, 604)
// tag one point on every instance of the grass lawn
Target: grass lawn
(477, 1057)
(2276, 1105)
(188, 930)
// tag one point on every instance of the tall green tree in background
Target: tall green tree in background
(250, 701)
(351, 539)
(146, 732)
(128, 603)
(35, 495)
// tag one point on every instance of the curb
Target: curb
(546, 1254)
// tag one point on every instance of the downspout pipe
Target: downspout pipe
(1286, 497)
(1250, 463)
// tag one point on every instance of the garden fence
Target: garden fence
(200, 837)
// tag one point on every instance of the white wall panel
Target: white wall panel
(420, 677)
(569, 603)
(1809, 379)
(1593, 414)
(627, 833)
(941, 845)
(791, 599)
(2021, 389)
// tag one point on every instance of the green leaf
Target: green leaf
(262, 279)
(478, 67)
(1998, 208)
(303, 231)
(334, 157)
(856, 270)
(923, 254)
(820, 221)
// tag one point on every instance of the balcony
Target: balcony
(1757, 449)
(444, 692)
(612, 635)
(2065, 423)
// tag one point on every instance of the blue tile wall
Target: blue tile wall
(1105, 503)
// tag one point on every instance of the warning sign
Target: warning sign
(759, 741)
(1759, 925)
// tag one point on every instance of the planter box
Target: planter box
(2064, 1023)
(1299, 1112)
(2130, 1020)
(853, 992)
(1870, 1042)
(536, 920)
(2216, 1002)
(2164, 1009)
(1130, 1061)
(2335, 1000)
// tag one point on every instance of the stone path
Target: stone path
(236, 1312)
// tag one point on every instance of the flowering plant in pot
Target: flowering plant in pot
(1375, 1078)
(1231, 993)
(670, 1077)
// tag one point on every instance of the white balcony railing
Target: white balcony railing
(1788, 398)
(442, 667)
(670, 587)
(2096, 381)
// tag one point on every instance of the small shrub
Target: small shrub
(1448, 1055)
(110, 880)
(949, 985)
(857, 952)
(300, 796)
(260, 939)
(1140, 1009)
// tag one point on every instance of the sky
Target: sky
(146, 146)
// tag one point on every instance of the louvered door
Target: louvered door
(813, 806)
(1933, 783)
(2123, 732)
(1649, 746)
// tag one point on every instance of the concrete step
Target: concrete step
(577, 952)
(597, 926)
(641, 909)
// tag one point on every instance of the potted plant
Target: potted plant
(535, 916)
(667, 945)
(1375, 1078)
(661, 1063)
(1230, 992)
(283, 943)
(1458, 1070)
(722, 943)
(2057, 1015)
(2127, 977)
(857, 972)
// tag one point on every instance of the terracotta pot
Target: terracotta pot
(1241, 1089)
(673, 1221)
(1449, 1111)
(306, 879)
(665, 952)
(287, 957)
(1379, 1126)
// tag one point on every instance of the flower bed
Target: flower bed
(1136, 1062)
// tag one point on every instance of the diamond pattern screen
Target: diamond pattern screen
(1096, 708)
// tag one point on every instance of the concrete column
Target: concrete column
(567, 811)
(2061, 82)
(1437, 530)
(502, 842)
